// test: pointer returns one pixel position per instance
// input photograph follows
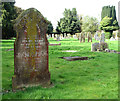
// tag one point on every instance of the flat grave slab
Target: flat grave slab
(75, 58)
(69, 51)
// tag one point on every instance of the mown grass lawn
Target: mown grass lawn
(96, 78)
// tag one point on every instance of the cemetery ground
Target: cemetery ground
(96, 78)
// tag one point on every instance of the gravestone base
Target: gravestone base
(99, 46)
(34, 79)
(74, 58)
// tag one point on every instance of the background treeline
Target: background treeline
(70, 23)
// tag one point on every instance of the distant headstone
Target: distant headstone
(96, 37)
(30, 50)
(58, 37)
(89, 37)
(94, 47)
(99, 46)
(112, 39)
(116, 35)
(102, 38)
(82, 37)
(74, 36)
(49, 36)
(65, 35)
(52, 35)
(69, 36)
(61, 36)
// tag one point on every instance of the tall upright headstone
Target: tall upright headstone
(52, 35)
(30, 50)
(96, 36)
(82, 37)
(102, 38)
(89, 37)
(58, 37)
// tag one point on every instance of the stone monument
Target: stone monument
(30, 50)
(101, 46)
(89, 37)
(82, 37)
(102, 38)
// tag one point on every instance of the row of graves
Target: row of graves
(101, 45)
(80, 36)
(31, 66)
(113, 38)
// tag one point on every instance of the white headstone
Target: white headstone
(112, 39)
(102, 38)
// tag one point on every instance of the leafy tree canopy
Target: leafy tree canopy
(89, 24)
(70, 23)
(8, 15)
(108, 25)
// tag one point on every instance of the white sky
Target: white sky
(53, 9)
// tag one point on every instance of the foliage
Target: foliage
(108, 25)
(18, 10)
(8, 15)
(89, 24)
(70, 23)
(50, 28)
(109, 21)
(109, 11)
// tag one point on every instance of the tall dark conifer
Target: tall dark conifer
(8, 15)
(108, 11)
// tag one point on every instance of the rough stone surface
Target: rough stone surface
(96, 37)
(89, 37)
(112, 39)
(75, 58)
(99, 46)
(94, 47)
(82, 37)
(58, 37)
(30, 50)
(103, 46)
(102, 38)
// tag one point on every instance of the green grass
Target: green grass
(96, 78)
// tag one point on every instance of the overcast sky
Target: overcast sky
(53, 9)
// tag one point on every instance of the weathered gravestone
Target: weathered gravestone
(82, 37)
(101, 46)
(58, 37)
(89, 37)
(96, 37)
(102, 38)
(112, 39)
(52, 35)
(30, 50)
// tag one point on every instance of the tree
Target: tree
(108, 11)
(50, 28)
(70, 23)
(89, 24)
(18, 10)
(108, 25)
(8, 15)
